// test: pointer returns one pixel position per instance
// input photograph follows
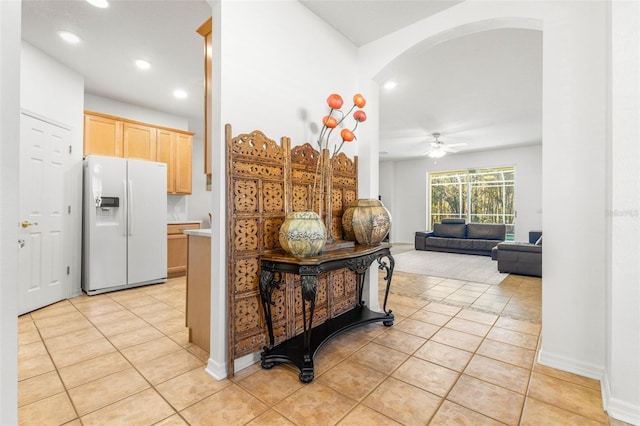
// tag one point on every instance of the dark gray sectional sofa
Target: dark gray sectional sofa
(456, 236)
(520, 258)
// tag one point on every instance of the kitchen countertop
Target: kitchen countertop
(198, 232)
(174, 222)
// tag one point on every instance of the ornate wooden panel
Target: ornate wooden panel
(266, 180)
(344, 189)
(255, 211)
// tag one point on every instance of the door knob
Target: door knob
(26, 224)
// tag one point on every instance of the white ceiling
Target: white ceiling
(484, 90)
(162, 32)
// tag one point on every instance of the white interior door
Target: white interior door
(44, 156)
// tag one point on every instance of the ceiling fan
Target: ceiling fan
(438, 149)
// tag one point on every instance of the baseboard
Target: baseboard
(245, 361)
(571, 365)
(219, 370)
(216, 370)
(619, 410)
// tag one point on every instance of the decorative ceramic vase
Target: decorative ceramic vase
(366, 221)
(302, 234)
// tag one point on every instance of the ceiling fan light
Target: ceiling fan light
(69, 37)
(436, 153)
(143, 64)
(390, 85)
(179, 94)
(102, 4)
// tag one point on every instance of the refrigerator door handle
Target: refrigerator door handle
(122, 217)
(130, 208)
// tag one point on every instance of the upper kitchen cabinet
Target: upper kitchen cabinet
(182, 165)
(120, 137)
(175, 149)
(205, 31)
(165, 153)
(139, 141)
(102, 136)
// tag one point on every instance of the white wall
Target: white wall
(9, 137)
(278, 80)
(133, 112)
(199, 202)
(621, 387)
(274, 63)
(575, 118)
(408, 194)
(55, 93)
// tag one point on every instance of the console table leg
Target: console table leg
(309, 284)
(268, 282)
(306, 374)
(382, 265)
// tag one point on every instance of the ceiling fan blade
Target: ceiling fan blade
(450, 145)
(447, 148)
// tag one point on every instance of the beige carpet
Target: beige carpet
(466, 267)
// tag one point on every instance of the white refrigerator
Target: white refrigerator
(124, 223)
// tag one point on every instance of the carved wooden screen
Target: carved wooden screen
(264, 182)
(344, 190)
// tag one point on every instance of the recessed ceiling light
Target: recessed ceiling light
(389, 85)
(143, 64)
(69, 37)
(99, 3)
(180, 94)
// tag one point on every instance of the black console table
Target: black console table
(300, 350)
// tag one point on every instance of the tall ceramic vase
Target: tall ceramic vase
(302, 234)
(366, 221)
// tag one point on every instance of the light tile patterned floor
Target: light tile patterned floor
(123, 358)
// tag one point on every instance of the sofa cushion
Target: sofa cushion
(450, 230)
(478, 245)
(486, 231)
(437, 242)
(453, 220)
(484, 245)
(521, 247)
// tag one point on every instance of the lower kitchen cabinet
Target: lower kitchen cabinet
(198, 313)
(177, 248)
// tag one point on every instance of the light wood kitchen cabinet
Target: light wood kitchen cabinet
(102, 136)
(120, 137)
(198, 315)
(139, 141)
(175, 149)
(165, 153)
(177, 248)
(182, 164)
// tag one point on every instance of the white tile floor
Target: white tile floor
(123, 358)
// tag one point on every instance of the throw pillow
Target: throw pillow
(539, 241)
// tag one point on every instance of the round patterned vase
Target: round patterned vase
(366, 221)
(302, 234)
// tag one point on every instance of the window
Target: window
(480, 195)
